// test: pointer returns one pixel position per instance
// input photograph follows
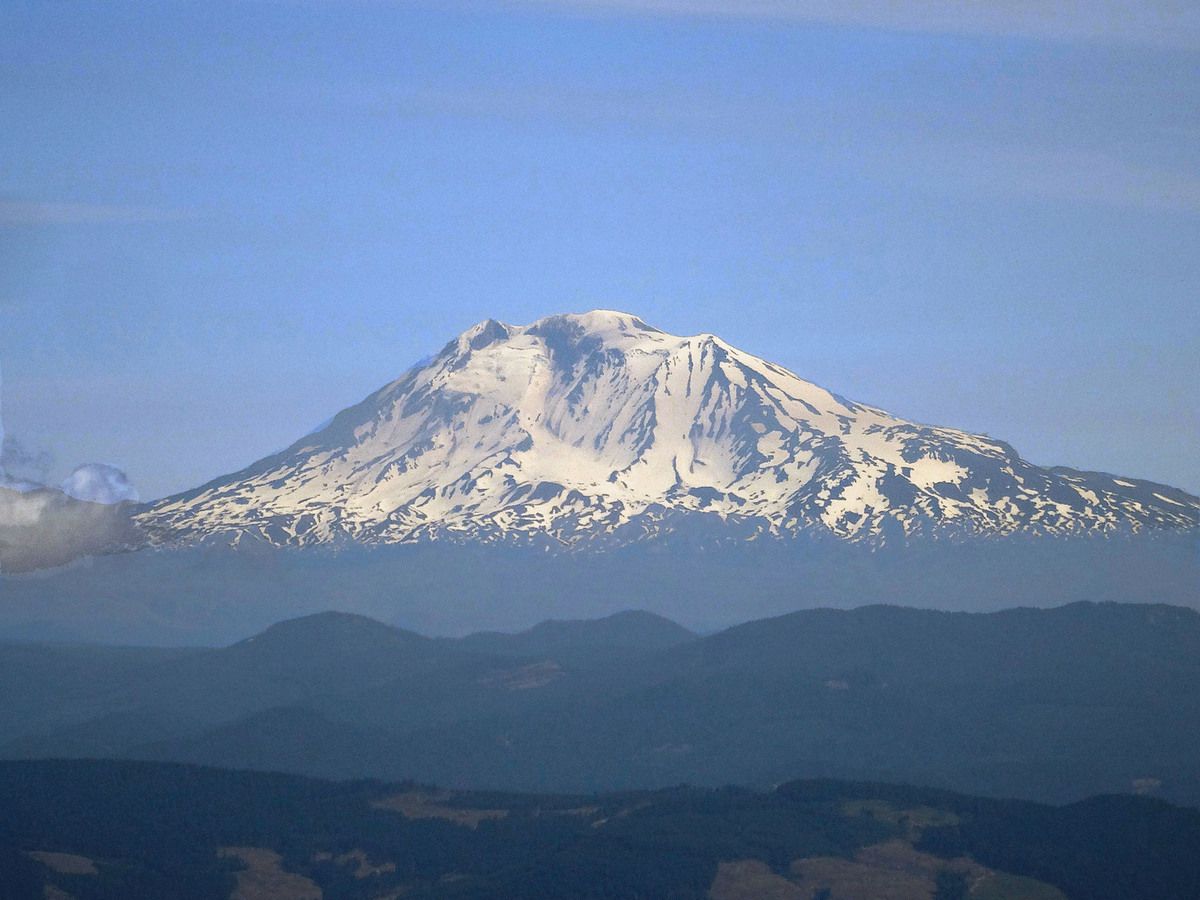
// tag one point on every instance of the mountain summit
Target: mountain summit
(599, 427)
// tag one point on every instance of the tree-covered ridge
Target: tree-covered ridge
(156, 830)
(1051, 705)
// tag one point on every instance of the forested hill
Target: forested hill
(127, 830)
(1050, 705)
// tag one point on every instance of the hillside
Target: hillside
(1050, 705)
(108, 830)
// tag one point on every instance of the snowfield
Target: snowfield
(598, 427)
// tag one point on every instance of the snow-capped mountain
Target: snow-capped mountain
(599, 427)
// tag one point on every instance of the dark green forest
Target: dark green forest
(155, 830)
(1052, 705)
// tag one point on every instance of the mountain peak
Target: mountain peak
(596, 425)
(598, 322)
(329, 632)
(594, 329)
(483, 333)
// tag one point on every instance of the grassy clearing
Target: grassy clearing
(424, 805)
(65, 863)
(264, 877)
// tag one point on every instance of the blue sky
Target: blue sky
(222, 222)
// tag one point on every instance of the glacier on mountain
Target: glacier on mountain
(598, 427)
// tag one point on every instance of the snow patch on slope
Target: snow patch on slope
(597, 426)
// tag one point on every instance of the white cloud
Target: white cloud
(98, 483)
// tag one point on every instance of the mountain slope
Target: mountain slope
(589, 427)
(103, 829)
(1046, 704)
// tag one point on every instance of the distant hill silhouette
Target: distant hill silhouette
(1048, 704)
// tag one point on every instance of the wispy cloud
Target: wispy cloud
(572, 106)
(1053, 174)
(1163, 23)
(17, 213)
(934, 160)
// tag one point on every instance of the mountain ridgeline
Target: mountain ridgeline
(1051, 705)
(599, 429)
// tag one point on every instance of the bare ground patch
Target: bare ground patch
(264, 877)
(750, 879)
(64, 863)
(889, 871)
(524, 678)
(425, 805)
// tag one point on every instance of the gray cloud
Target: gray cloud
(41, 527)
(22, 462)
(1160, 23)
